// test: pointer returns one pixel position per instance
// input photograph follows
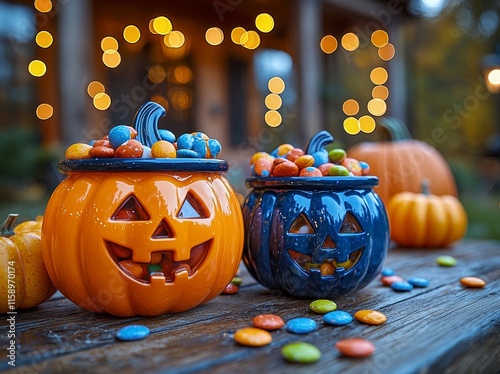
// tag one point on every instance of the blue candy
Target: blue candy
(185, 141)
(337, 318)
(387, 272)
(167, 135)
(118, 135)
(214, 147)
(401, 286)
(186, 153)
(200, 147)
(132, 332)
(320, 158)
(301, 325)
(418, 282)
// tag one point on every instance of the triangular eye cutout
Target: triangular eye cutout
(130, 210)
(162, 231)
(301, 225)
(350, 225)
(328, 243)
(192, 208)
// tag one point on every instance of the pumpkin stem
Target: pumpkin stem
(397, 129)
(426, 187)
(7, 228)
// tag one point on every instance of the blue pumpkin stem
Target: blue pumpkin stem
(146, 123)
(319, 141)
(7, 228)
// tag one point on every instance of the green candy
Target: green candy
(338, 170)
(337, 155)
(322, 306)
(446, 260)
(300, 352)
(154, 268)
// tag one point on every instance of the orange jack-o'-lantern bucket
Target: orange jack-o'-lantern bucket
(142, 236)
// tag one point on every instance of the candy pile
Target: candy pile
(288, 161)
(122, 142)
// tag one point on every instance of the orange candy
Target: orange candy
(78, 151)
(325, 168)
(253, 336)
(310, 171)
(263, 167)
(268, 322)
(472, 282)
(370, 317)
(283, 149)
(353, 166)
(102, 151)
(294, 154)
(163, 149)
(304, 161)
(286, 169)
(130, 149)
(259, 155)
(355, 347)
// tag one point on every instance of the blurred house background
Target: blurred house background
(71, 69)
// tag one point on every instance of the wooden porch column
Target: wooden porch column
(75, 65)
(308, 18)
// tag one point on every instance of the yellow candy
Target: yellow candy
(284, 149)
(258, 155)
(78, 151)
(163, 149)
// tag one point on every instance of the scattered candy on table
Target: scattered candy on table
(473, 282)
(419, 282)
(301, 325)
(231, 289)
(390, 279)
(337, 318)
(370, 317)
(355, 347)
(300, 352)
(386, 272)
(253, 337)
(132, 332)
(446, 260)
(268, 322)
(402, 286)
(322, 306)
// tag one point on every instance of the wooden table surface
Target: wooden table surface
(444, 328)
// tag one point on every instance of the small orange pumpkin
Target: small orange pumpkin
(402, 163)
(24, 282)
(426, 220)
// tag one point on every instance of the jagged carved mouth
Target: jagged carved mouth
(161, 264)
(329, 266)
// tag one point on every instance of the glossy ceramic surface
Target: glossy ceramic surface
(294, 225)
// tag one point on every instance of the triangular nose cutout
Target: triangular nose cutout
(162, 231)
(328, 243)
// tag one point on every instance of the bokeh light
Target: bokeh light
(351, 126)
(273, 118)
(157, 74)
(159, 99)
(273, 101)
(377, 107)
(276, 85)
(109, 43)
(379, 75)
(161, 25)
(350, 42)
(180, 98)
(102, 101)
(94, 88)
(264, 22)
(131, 34)
(250, 39)
(214, 36)
(37, 68)
(111, 58)
(183, 74)
(236, 34)
(174, 39)
(43, 6)
(44, 111)
(350, 107)
(328, 44)
(387, 52)
(380, 92)
(44, 39)
(494, 76)
(379, 38)
(367, 124)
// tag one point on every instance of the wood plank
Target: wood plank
(440, 328)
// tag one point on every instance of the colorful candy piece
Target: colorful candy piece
(304, 161)
(322, 306)
(258, 155)
(337, 155)
(365, 168)
(370, 317)
(390, 279)
(268, 322)
(130, 149)
(387, 272)
(253, 337)
(185, 141)
(282, 150)
(186, 153)
(301, 325)
(119, 135)
(338, 171)
(214, 147)
(402, 286)
(231, 289)
(300, 353)
(163, 149)
(132, 332)
(286, 169)
(78, 151)
(101, 152)
(320, 158)
(337, 318)
(325, 168)
(418, 282)
(310, 171)
(263, 167)
(294, 154)
(473, 282)
(167, 135)
(355, 347)
(446, 261)
(353, 166)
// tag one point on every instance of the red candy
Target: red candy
(268, 322)
(130, 149)
(294, 154)
(355, 347)
(310, 171)
(286, 169)
(353, 166)
(263, 167)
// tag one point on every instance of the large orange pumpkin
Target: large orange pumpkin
(402, 163)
